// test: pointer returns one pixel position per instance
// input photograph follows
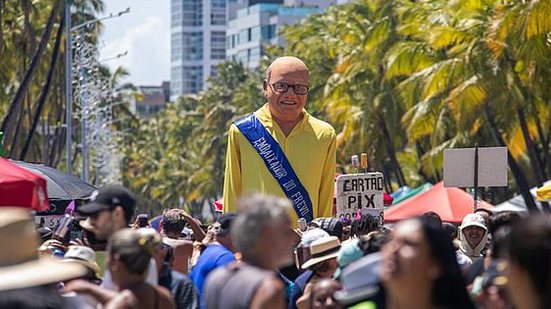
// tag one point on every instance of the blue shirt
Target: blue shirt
(214, 256)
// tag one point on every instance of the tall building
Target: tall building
(198, 41)
(199, 38)
(152, 99)
(258, 25)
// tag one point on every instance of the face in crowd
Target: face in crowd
(105, 222)
(407, 261)
(280, 237)
(286, 88)
(473, 235)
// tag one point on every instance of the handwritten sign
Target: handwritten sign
(360, 191)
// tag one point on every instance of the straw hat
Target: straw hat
(323, 249)
(20, 266)
(82, 255)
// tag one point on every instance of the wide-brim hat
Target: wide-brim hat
(20, 266)
(84, 256)
(323, 249)
(38, 272)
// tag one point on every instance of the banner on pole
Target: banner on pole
(459, 167)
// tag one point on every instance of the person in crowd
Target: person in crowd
(128, 257)
(486, 214)
(322, 295)
(308, 144)
(87, 257)
(450, 229)
(323, 264)
(25, 280)
(173, 222)
(263, 233)
(216, 254)
(372, 242)
(366, 224)
(463, 261)
(200, 246)
(181, 287)
(332, 226)
(303, 255)
(503, 218)
(346, 228)
(529, 260)
(110, 210)
(433, 217)
(419, 268)
(489, 288)
(497, 222)
(473, 235)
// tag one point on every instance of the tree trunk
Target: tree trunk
(29, 30)
(44, 92)
(531, 148)
(1, 23)
(29, 74)
(15, 141)
(541, 177)
(522, 184)
(391, 152)
(545, 159)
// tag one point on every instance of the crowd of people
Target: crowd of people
(280, 247)
(255, 258)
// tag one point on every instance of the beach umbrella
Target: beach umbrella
(21, 188)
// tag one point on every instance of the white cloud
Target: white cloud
(145, 34)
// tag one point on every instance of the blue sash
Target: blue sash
(277, 163)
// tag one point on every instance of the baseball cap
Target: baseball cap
(473, 220)
(107, 198)
(332, 226)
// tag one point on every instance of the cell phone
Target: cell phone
(143, 220)
(63, 227)
(75, 233)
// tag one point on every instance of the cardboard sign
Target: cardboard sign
(360, 191)
(459, 167)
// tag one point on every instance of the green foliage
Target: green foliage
(180, 153)
(400, 80)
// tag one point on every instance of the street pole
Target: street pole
(475, 206)
(68, 86)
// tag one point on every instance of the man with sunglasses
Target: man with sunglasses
(281, 149)
(110, 210)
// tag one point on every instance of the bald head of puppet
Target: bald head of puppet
(286, 88)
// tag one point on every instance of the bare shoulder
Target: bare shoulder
(125, 299)
(165, 298)
(270, 294)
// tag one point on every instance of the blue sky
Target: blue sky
(144, 33)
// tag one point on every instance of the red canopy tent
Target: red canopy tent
(452, 204)
(22, 188)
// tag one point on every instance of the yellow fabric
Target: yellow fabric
(544, 193)
(311, 150)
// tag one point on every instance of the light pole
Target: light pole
(69, 89)
(68, 85)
